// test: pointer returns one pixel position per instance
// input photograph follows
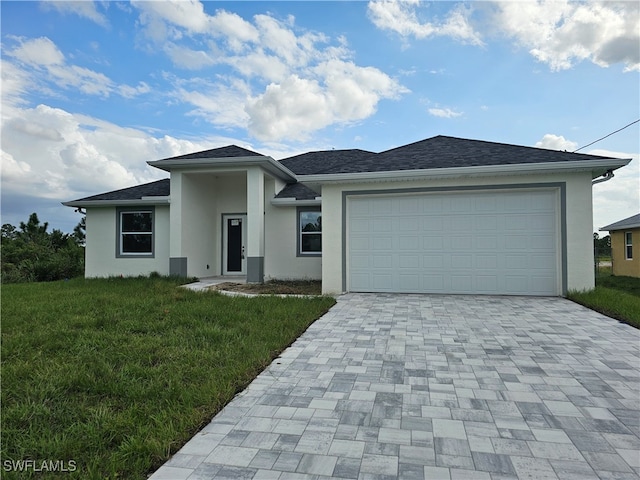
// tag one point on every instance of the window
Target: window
(135, 233)
(310, 232)
(628, 246)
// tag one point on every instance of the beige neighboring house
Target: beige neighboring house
(625, 246)
(443, 215)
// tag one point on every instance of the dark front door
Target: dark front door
(234, 245)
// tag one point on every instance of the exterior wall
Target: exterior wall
(198, 224)
(205, 198)
(100, 259)
(577, 266)
(620, 265)
(281, 231)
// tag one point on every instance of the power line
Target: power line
(619, 130)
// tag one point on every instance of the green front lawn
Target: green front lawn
(616, 297)
(112, 376)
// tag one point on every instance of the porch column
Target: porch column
(177, 261)
(255, 225)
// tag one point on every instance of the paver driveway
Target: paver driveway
(435, 387)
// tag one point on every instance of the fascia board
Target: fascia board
(267, 163)
(288, 202)
(517, 169)
(118, 203)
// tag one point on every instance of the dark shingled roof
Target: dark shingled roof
(631, 222)
(297, 191)
(222, 152)
(159, 188)
(324, 161)
(435, 152)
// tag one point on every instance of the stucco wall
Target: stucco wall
(620, 265)
(578, 241)
(101, 260)
(281, 260)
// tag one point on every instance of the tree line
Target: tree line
(32, 254)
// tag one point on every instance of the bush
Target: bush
(31, 254)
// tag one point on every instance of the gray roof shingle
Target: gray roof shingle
(222, 152)
(435, 152)
(159, 188)
(631, 222)
(324, 161)
(297, 191)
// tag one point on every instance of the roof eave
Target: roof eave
(267, 163)
(597, 167)
(164, 200)
(290, 202)
(617, 229)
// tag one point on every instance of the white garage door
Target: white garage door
(483, 242)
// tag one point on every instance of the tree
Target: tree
(31, 254)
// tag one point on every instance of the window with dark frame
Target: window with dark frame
(135, 232)
(628, 245)
(310, 232)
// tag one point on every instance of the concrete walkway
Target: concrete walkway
(435, 387)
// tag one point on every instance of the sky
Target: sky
(91, 91)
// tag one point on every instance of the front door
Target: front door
(234, 234)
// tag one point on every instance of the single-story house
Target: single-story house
(625, 243)
(442, 215)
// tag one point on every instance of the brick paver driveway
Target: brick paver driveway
(435, 387)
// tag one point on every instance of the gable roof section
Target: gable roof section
(158, 189)
(229, 151)
(433, 153)
(631, 222)
(224, 158)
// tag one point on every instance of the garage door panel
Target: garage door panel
(409, 243)
(462, 261)
(500, 242)
(432, 261)
(409, 262)
(381, 243)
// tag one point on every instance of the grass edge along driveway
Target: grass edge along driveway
(615, 296)
(109, 377)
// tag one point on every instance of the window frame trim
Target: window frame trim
(142, 209)
(628, 245)
(299, 252)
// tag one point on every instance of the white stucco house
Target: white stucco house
(442, 215)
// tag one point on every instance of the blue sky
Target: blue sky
(93, 90)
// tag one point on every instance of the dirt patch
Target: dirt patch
(275, 287)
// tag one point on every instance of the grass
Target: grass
(117, 374)
(614, 296)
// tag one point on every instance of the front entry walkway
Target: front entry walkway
(435, 387)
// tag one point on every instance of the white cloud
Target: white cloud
(403, 18)
(83, 8)
(63, 156)
(285, 83)
(563, 33)
(39, 64)
(340, 92)
(39, 52)
(444, 112)
(559, 33)
(556, 142)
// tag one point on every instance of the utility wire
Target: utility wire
(619, 130)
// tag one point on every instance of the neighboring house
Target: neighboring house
(625, 246)
(443, 215)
